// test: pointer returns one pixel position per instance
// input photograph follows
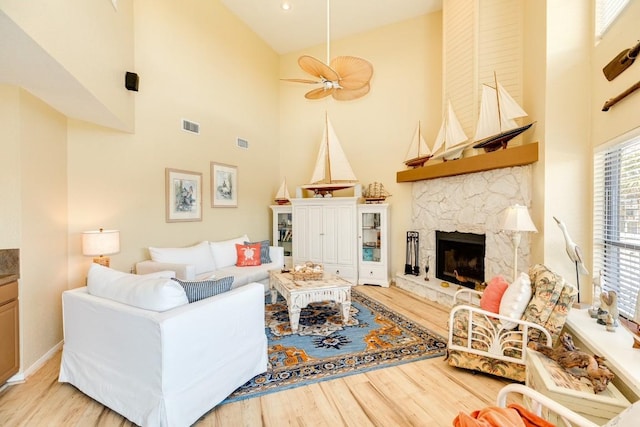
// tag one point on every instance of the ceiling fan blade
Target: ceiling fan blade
(317, 68)
(354, 72)
(302, 81)
(319, 93)
(349, 94)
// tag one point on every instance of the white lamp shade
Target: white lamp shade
(516, 218)
(100, 242)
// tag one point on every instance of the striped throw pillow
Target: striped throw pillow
(197, 290)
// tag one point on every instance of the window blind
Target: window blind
(616, 215)
(606, 12)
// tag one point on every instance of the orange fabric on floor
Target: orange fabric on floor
(513, 416)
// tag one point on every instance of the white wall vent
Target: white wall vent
(242, 143)
(191, 127)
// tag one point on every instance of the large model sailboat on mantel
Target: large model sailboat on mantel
(332, 170)
(496, 123)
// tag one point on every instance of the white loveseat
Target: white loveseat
(161, 366)
(211, 259)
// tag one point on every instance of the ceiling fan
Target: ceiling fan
(345, 78)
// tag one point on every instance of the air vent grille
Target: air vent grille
(191, 127)
(242, 143)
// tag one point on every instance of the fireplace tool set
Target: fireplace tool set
(411, 266)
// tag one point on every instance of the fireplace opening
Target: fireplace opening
(460, 258)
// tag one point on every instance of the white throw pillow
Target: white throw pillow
(515, 300)
(198, 255)
(155, 291)
(224, 252)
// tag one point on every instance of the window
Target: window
(617, 220)
(606, 12)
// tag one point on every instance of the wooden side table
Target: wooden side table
(550, 379)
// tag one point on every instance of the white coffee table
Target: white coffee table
(299, 293)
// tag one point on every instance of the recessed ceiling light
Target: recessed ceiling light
(285, 5)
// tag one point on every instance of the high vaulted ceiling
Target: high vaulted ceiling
(305, 23)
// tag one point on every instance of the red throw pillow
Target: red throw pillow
(248, 254)
(492, 294)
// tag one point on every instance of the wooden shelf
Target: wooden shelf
(515, 156)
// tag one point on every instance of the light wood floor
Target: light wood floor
(424, 393)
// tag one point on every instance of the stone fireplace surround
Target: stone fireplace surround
(468, 203)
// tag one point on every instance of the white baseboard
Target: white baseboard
(22, 376)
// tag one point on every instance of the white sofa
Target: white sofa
(161, 368)
(211, 259)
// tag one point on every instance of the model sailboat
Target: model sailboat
(419, 151)
(496, 123)
(282, 196)
(332, 170)
(451, 139)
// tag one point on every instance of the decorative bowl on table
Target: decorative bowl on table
(307, 271)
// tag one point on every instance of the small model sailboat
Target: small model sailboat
(332, 170)
(282, 196)
(419, 151)
(451, 139)
(496, 123)
(375, 193)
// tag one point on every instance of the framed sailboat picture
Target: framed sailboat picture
(183, 191)
(224, 185)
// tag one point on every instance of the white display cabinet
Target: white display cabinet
(373, 246)
(283, 231)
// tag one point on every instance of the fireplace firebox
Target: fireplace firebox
(460, 258)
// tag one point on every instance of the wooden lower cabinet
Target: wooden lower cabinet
(9, 331)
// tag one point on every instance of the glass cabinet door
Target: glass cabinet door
(284, 232)
(371, 245)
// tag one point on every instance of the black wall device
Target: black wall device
(131, 81)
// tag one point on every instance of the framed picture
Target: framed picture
(224, 185)
(183, 195)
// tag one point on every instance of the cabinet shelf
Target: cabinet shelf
(515, 156)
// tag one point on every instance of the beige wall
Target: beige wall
(624, 116)
(10, 208)
(43, 247)
(375, 131)
(92, 45)
(34, 214)
(199, 63)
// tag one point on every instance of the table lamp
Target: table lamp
(516, 219)
(99, 243)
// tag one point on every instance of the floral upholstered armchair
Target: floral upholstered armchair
(533, 308)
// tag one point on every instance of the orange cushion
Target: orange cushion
(492, 294)
(248, 254)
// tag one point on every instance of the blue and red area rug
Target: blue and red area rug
(375, 337)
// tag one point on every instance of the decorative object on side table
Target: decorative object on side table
(597, 289)
(610, 301)
(574, 252)
(569, 356)
(516, 219)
